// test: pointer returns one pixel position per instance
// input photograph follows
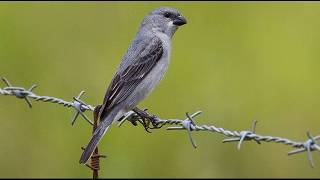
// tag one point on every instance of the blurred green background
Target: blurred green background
(235, 61)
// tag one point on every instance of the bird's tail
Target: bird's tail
(96, 137)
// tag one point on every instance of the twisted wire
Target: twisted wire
(229, 133)
(187, 124)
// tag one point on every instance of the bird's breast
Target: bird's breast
(152, 79)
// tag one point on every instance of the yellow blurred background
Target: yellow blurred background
(235, 61)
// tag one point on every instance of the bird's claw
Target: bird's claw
(148, 121)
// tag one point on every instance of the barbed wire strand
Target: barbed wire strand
(187, 124)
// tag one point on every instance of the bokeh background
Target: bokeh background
(235, 61)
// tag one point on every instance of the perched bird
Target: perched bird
(140, 70)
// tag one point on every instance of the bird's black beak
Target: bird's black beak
(179, 21)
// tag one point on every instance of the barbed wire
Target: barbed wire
(187, 124)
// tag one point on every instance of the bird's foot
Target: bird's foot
(146, 119)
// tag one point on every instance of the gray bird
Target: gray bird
(141, 69)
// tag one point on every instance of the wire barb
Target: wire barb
(19, 92)
(309, 146)
(95, 161)
(244, 136)
(189, 125)
(80, 108)
(130, 116)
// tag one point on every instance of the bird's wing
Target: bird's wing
(125, 81)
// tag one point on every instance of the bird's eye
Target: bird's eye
(167, 15)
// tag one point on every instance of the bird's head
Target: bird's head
(165, 20)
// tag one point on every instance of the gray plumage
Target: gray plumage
(140, 70)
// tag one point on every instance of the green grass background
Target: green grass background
(235, 61)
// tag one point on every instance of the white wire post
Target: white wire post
(187, 124)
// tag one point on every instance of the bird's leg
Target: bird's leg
(144, 115)
(153, 120)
